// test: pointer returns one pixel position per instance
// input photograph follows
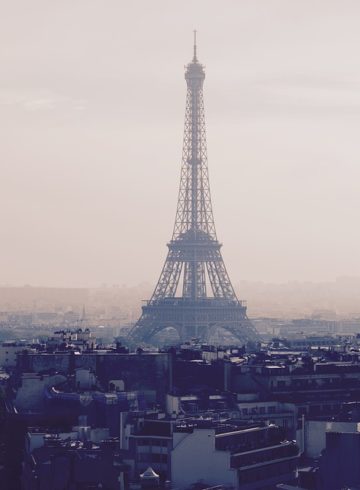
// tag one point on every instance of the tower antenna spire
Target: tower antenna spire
(195, 57)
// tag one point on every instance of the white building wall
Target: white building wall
(172, 404)
(99, 434)
(194, 458)
(119, 384)
(30, 393)
(84, 378)
(8, 354)
(315, 434)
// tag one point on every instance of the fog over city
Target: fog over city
(179, 245)
(92, 102)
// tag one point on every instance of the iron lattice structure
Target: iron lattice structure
(194, 293)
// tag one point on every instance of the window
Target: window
(159, 458)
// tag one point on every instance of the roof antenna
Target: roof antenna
(195, 58)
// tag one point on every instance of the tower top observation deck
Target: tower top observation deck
(194, 69)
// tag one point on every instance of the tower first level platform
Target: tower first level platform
(199, 319)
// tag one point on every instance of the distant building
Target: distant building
(79, 339)
(309, 326)
(8, 353)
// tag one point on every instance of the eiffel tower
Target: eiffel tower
(194, 294)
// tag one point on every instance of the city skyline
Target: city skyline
(91, 118)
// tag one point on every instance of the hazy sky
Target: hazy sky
(92, 97)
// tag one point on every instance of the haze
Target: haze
(92, 100)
